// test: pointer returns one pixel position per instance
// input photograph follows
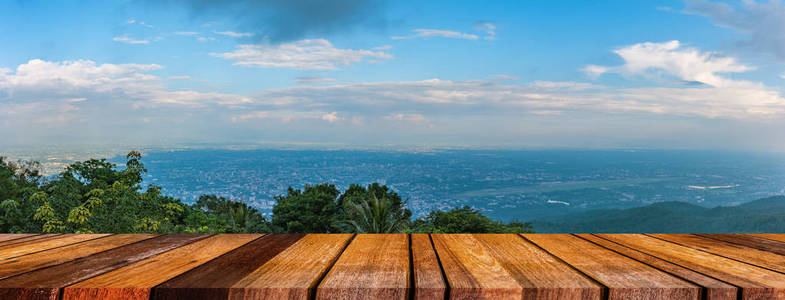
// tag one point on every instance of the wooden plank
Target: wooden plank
(770, 236)
(714, 289)
(428, 278)
(295, 272)
(46, 283)
(541, 275)
(625, 278)
(749, 255)
(373, 266)
(65, 254)
(45, 244)
(12, 236)
(472, 271)
(27, 239)
(755, 282)
(750, 241)
(137, 280)
(213, 280)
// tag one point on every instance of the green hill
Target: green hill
(763, 215)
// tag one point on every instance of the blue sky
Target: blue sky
(578, 74)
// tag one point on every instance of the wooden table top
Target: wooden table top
(392, 266)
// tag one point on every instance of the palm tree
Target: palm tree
(374, 215)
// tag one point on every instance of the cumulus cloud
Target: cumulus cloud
(234, 34)
(426, 33)
(316, 54)
(688, 64)
(763, 22)
(128, 40)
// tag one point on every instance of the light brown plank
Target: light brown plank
(749, 255)
(541, 275)
(755, 282)
(135, 282)
(373, 266)
(749, 241)
(624, 277)
(772, 236)
(46, 283)
(27, 239)
(472, 271)
(714, 289)
(295, 272)
(428, 278)
(65, 254)
(13, 236)
(45, 244)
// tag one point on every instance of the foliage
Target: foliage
(96, 196)
(466, 220)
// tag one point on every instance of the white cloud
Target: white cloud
(313, 80)
(782, 75)
(688, 64)
(425, 33)
(186, 33)
(317, 54)
(385, 47)
(487, 27)
(763, 22)
(205, 39)
(128, 40)
(407, 117)
(234, 34)
(331, 117)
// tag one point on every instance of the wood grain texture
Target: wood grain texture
(135, 282)
(749, 255)
(771, 236)
(13, 236)
(750, 241)
(213, 279)
(472, 271)
(46, 283)
(755, 282)
(428, 278)
(295, 272)
(65, 254)
(44, 244)
(541, 275)
(27, 239)
(625, 278)
(373, 266)
(714, 289)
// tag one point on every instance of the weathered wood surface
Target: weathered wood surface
(397, 266)
(755, 282)
(624, 277)
(373, 266)
(7, 237)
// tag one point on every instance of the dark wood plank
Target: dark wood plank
(749, 255)
(135, 282)
(295, 272)
(46, 283)
(714, 289)
(750, 241)
(213, 280)
(13, 236)
(65, 254)
(541, 275)
(373, 266)
(625, 278)
(428, 278)
(771, 236)
(45, 244)
(472, 271)
(755, 282)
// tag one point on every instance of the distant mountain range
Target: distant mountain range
(763, 215)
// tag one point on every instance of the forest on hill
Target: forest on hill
(97, 196)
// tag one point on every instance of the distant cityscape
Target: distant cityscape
(504, 184)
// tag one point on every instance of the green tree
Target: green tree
(372, 209)
(312, 210)
(235, 216)
(466, 220)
